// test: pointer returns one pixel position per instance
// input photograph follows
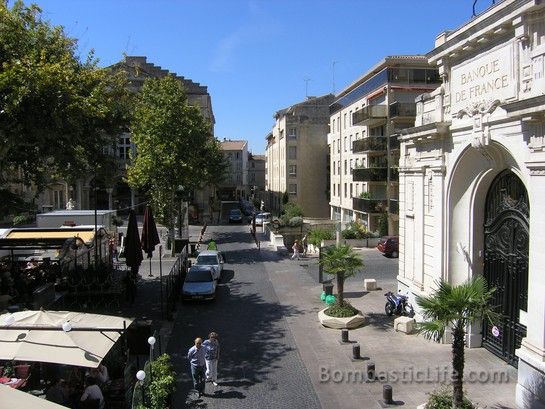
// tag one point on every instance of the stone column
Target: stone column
(530, 391)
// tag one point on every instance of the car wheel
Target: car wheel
(394, 254)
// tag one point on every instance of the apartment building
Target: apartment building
(256, 175)
(235, 184)
(296, 157)
(365, 120)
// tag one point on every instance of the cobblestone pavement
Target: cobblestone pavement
(260, 366)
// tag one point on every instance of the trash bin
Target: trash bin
(328, 289)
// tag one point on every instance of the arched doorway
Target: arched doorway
(506, 224)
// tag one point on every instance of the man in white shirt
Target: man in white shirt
(93, 392)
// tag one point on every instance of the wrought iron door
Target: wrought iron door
(506, 263)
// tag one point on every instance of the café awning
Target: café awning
(62, 337)
(15, 399)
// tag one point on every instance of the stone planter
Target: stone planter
(341, 323)
(369, 243)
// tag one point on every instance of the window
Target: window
(292, 133)
(58, 199)
(345, 167)
(350, 118)
(357, 135)
(281, 133)
(292, 152)
(333, 128)
(334, 190)
(338, 167)
(376, 131)
(292, 170)
(333, 146)
(339, 189)
(238, 155)
(537, 31)
(344, 121)
(350, 144)
(345, 190)
(292, 189)
(351, 195)
(351, 167)
(357, 189)
(339, 145)
(333, 167)
(345, 143)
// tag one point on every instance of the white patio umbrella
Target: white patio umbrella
(63, 337)
(15, 399)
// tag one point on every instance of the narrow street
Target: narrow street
(259, 363)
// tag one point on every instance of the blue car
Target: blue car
(200, 284)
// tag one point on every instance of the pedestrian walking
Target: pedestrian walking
(304, 242)
(296, 250)
(212, 356)
(196, 357)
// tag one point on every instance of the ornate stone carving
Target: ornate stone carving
(481, 131)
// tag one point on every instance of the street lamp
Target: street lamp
(151, 342)
(141, 375)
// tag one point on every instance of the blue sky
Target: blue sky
(257, 57)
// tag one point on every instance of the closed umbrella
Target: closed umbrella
(133, 247)
(150, 237)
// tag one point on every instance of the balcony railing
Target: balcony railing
(403, 109)
(370, 144)
(375, 174)
(369, 205)
(369, 115)
(374, 144)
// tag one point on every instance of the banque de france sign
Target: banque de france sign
(486, 78)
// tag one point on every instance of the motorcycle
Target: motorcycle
(398, 304)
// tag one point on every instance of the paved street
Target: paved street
(259, 364)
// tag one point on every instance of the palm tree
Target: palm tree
(342, 262)
(455, 307)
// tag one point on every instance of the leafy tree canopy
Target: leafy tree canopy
(57, 113)
(174, 145)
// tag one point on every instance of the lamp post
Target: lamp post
(151, 342)
(140, 376)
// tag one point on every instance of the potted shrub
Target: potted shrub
(163, 382)
(342, 262)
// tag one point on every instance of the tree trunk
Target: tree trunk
(340, 288)
(172, 227)
(458, 361)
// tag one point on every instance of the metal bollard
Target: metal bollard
(387, 394)
(344, 335)
(356, 351)
(371, 371)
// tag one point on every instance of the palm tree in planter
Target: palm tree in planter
(455, 307)
(342, 262)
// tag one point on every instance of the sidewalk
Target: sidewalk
(414, 365)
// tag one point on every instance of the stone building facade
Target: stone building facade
(297, 157)
(235, 184)
(472, 181)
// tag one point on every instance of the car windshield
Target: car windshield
(207, 260)
(235, 212)
(199, 277)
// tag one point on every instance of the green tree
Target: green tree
(174, 147)
(57, 113)
(455, 307)
(342, 262)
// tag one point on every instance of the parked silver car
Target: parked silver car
(211, 258)
(199, 284)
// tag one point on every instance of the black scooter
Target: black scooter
(398, 304)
